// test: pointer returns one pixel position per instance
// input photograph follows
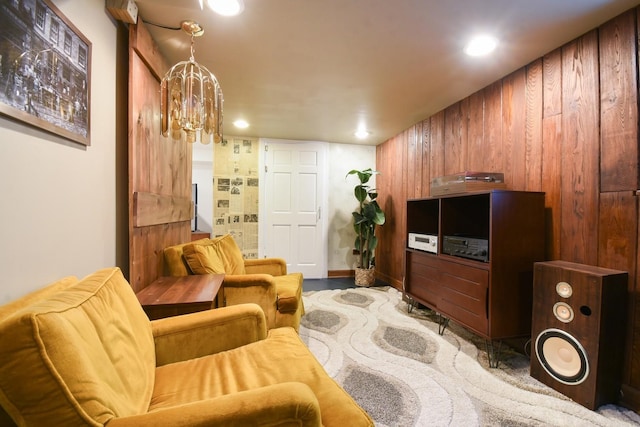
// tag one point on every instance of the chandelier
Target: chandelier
(191, 98)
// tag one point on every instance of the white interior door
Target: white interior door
(293, 224)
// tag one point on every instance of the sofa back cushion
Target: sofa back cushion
(174, 262)
(81, 356)
(215, 256)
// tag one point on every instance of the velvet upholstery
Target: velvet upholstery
(261, 281)
(78, 348)
(215, 256)
(174, 264)
(17, 305)
(83, 353)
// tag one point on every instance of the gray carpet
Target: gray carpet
(403, 373)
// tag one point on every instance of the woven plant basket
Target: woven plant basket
(365, 276)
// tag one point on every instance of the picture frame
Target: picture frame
(45, 69)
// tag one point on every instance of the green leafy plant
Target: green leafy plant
(365, 218)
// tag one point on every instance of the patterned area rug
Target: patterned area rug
(403, 373)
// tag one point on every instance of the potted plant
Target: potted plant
(365, 218)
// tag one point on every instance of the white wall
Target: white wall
(342, 159)
(58, 214)
(202, 174)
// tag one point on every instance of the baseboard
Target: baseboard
(341, 273)
(389, 280)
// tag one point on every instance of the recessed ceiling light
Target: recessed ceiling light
(361, 134)
(242, 124)
(481, 45)
(226, 7)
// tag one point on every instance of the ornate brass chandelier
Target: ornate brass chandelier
(191, 98)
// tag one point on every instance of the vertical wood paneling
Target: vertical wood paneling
(464, 134)
(533, 127)
(619, 104)
(617, 248)
(426, 163)
(552, 184)
(412, 165)
(413, 158)
(552, 150)
(392, 198)
(399, 217)
(514, 110)
(437, 151)
(418, 135)
(578, 116)
(552, 81)
(493, 148)
(618, 231)
(476, 154)
(580, 153)
(454, 149)
(632, 369)
(400, 168)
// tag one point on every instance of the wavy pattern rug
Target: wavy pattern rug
(403, 373)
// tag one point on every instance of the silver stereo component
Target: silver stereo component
(466, 247)
(423, 242)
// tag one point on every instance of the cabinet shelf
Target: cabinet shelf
(491, 296)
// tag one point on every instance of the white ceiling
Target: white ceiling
(316, 69)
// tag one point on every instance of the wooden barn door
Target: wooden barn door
(160, 207)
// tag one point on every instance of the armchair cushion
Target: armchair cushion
(78, 349)
(220, 255)
(204, 258)
(174, 263)
(12, 307)
(281, 358)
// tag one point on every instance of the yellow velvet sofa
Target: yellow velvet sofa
(261, 281)
(83, 353)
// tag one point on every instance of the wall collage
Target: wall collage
(236, 192)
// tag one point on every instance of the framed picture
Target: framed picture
(45, 69)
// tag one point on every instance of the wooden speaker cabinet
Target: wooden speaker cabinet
(578, 330)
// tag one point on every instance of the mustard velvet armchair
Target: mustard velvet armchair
(83, 353)
(261, 281)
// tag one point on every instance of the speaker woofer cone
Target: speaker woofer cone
(562, 356)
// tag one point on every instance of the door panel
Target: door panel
(294, 198)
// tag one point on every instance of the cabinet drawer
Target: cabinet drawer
(461, 292)
(422, 279)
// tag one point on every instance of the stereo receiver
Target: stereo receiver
(423, 242)
(466, 247)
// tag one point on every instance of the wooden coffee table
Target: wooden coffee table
(171, 296)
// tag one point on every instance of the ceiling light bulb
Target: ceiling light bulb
(242, 124)
(481, 45)
(361, 134)
(226, 7)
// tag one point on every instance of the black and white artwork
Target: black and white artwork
(45, 69)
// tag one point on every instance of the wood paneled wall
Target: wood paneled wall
(565, 124)
(159, 168)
